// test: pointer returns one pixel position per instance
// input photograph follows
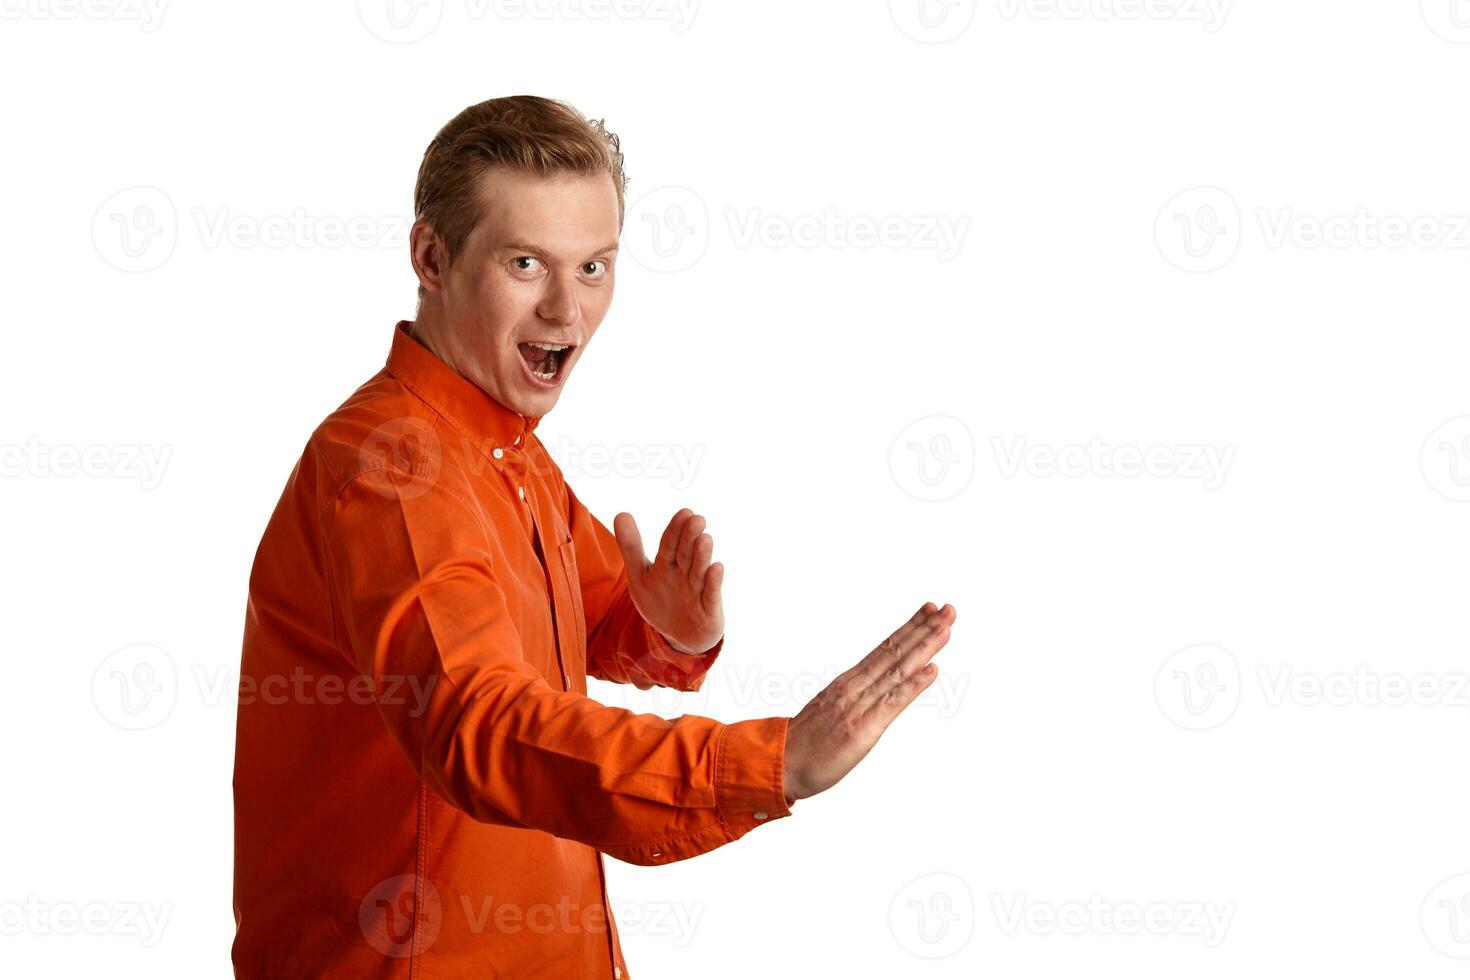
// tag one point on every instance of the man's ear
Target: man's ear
(426, 249)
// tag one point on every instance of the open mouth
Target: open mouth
(544, 359)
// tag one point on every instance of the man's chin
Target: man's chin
(532, 402)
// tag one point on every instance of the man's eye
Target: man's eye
(595, 267)
(524, 263)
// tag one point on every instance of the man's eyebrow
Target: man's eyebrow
(538, 250)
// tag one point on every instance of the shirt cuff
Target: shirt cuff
(690, 668)
(750, 761)
(659, 639)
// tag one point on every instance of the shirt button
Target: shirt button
(522, 492)
(498, 452)
(617, 973)
(761, 814)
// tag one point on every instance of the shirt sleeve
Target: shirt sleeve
(415, 599)
(621, 645)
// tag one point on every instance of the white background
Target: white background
(1226, 700)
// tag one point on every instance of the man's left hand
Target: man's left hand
(678, 593)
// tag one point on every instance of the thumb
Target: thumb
(630, 543)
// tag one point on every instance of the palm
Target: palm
(678, 592)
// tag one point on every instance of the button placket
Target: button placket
(515, 467)
(512, 466)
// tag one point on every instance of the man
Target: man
(422, 786)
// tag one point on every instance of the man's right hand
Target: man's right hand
(833, 733)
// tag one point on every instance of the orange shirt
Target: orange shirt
(422, 786)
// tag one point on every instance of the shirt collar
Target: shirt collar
(461, 401)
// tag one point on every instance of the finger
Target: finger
(885, 654)
(905, 657)
(703, 550)
(896, 698)
(669, 543)
(630, 543)
(687, 536)
(853, 681)
(928, 642)
(914, 661)
(713, 582)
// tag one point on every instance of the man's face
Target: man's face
(537, 269)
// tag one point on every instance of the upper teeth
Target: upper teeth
(549, 346)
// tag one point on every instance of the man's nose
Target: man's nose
(559, 304)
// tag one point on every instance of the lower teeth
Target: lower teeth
(554, 360)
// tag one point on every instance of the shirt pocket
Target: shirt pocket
(571, 620)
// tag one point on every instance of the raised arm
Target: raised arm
(415, 596)
(622, 645)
